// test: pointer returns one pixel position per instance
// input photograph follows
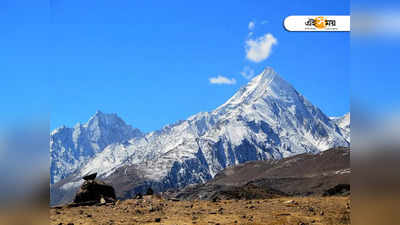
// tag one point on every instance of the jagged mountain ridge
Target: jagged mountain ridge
(266, 119)
(71, 148)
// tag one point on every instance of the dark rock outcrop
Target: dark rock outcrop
(340, 189)
(90, 176)
(149, 191)
(94, 192)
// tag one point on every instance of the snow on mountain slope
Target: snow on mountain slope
(343, 122)
(265, 119)
(70, 148)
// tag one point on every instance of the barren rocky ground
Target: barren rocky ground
(155, 210)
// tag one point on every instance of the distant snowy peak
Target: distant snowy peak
(70, 148)
(109, 128)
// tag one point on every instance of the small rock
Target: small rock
(291, 202)
(157, 220)
(215, 199)
(139, 196)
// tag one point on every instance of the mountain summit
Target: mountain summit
(265, 119)
(70, 148)
(268, 83)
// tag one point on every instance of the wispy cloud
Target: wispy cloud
(247, 72)
(251, 25)
(259, 49)
(222, 80)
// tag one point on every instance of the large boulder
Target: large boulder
(94, 192)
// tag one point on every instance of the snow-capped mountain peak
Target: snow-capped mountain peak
(267, 85)
(100, 120)
(255, 88)
(71, 148)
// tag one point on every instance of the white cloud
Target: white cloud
(252, 24)
(222, 80)
(247, 72)
(259, 49)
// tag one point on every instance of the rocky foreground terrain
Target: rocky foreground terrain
(303, 189)
(156, 210)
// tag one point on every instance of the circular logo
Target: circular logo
(320, 22)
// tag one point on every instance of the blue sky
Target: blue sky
(150, 62)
